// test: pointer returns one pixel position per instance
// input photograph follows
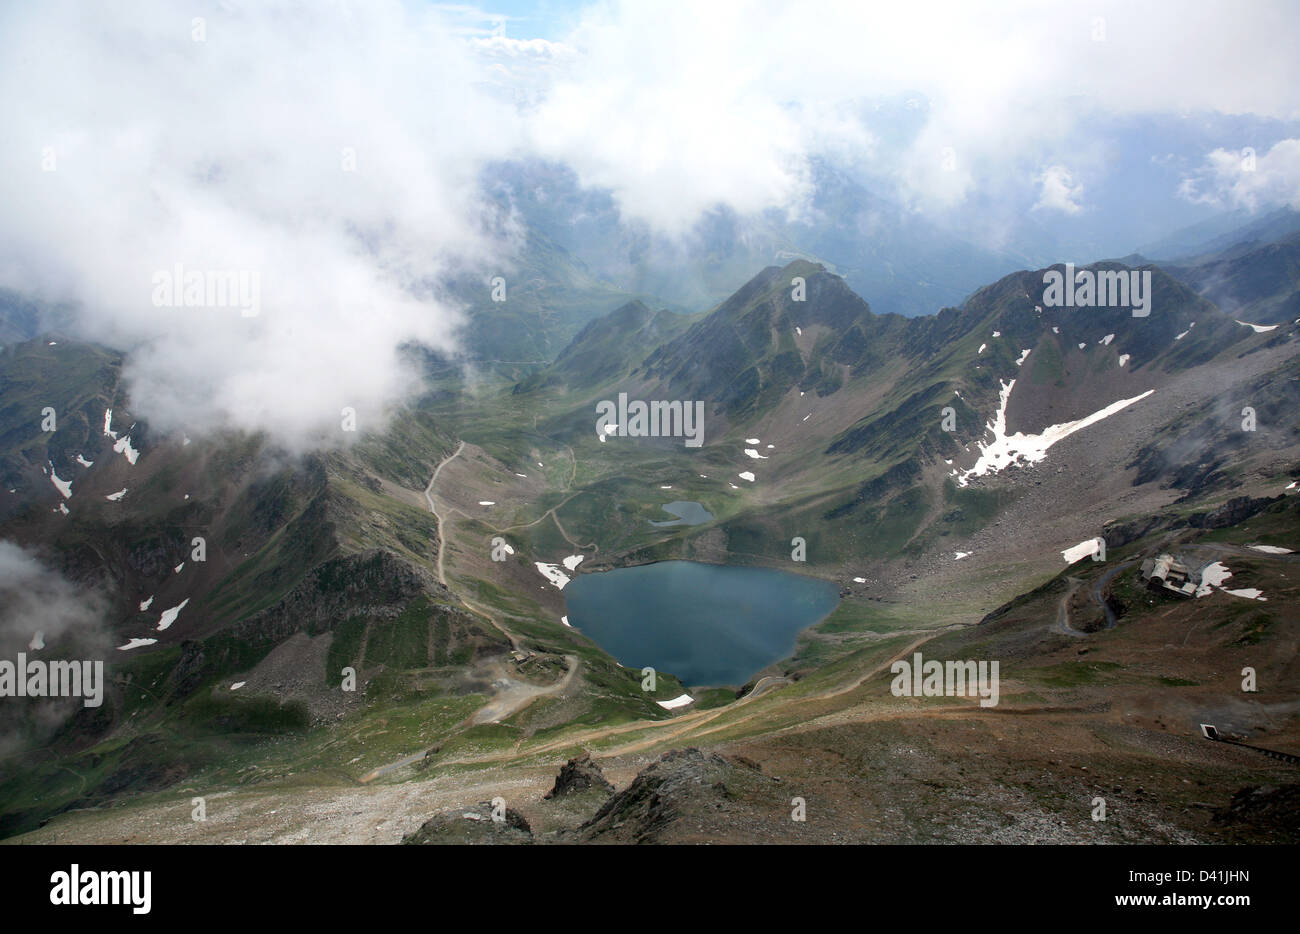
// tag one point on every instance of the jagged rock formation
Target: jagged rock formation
(688, 796)
(579, 775)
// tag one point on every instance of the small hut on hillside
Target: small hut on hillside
(1169, 573)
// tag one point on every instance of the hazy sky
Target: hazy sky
(336, 150)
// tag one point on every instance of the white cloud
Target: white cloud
(1058, 192)
(226, 153)
(1246, 179)
(229, 154)
(37, 599)
(674, 108)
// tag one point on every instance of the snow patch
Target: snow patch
(1257, 328)
(1123, 359)
(83, 462)
(1005, 450)
(63, 486)
(573, 561)
(1082, 550)
(169, 616)
(676, 702)
(1024, 354)
(1271, 549)
(746, 475)
(751, 452)
(135, 644)
(114, 497)
(123, 446)
(1250, 593)
(145, 604)
(552, 573)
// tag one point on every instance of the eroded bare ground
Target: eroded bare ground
(869, 767)
(957, 777)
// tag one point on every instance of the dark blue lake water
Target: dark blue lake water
(707, 624)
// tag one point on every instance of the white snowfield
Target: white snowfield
(145, 604)
(123, 446)
(1212, 576)
(237, 685)
(1250, 593)
(169, 616)
(957, 556)
(1257, 328)
(1024, 355)
(1215, 574)
(486, 502)
(83, 462)
(1082, 550)
(114, 497)
(753, 441)
(753, 452)
(565, 620)
(63, 486)
(1123, 359)
(552, 573)
(135, 644)
(746, 475)
(1105, 341)
(573, 561)
(1005, 450)
(680, 701)
(982, 347)
(1272, 549)
(859, 580)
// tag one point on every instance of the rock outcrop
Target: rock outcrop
(579, 775)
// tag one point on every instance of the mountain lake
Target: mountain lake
(707, 624)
